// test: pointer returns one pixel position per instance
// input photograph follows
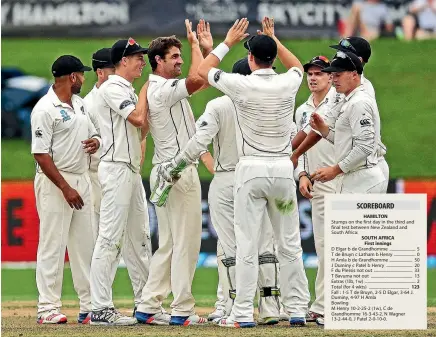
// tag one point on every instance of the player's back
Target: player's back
(265, 103)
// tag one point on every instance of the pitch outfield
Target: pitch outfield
(19, 297)
(401, 73)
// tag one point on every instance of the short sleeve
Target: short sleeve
(118, 100)
(42, 131)
(225, 82)
(295, 77)
(172, 91)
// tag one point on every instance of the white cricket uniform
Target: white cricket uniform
(123, 214)
(264, 181)
(320, 155)
(217, 125)
(138, 279)
(59, 129)
(356, 138)
(369, 88)
(94, 159)
(173, 265)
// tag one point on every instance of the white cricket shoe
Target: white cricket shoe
(110, 316)
(217, 313)
(51, 317)
(188, 320)
(230, 323)
(160, 318)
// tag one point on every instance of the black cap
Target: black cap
(262, 47)
(102, 59)
(318, 61)
(68, 64)
(344, 61)
(356, 45)
(123, 48)
(241, 67)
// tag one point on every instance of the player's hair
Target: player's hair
(263, 64)
(161, 46)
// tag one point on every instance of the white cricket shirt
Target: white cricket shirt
(121, 139)
(356, 134)
(264, 103)
(59, 129)
(93, 111)
(323, 153)
(171, 120)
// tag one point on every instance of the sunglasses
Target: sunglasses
(130, 42)
(248, 43)
(346, 44)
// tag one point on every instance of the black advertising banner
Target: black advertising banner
(114, 18)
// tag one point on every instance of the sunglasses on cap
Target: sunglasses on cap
(346, 44)
(343, 55)
(130, 42)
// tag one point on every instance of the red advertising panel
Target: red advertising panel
(20, 223)
(428, 187)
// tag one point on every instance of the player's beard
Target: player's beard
(75, 88)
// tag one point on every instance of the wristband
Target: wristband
(220, 51)
(305, 174)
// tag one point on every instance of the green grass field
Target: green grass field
(402, 74)
(19, 295)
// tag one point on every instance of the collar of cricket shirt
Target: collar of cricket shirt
(264, 71)
(120, 79)
(326, 98)
(56, 101)
(351, 94)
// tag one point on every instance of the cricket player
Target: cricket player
(321, 100)
(355, 134)
(103, 67)
(217, 125)
(62, 137)
(172, 124)
(362, 49)
(123, 215)
(264, 181)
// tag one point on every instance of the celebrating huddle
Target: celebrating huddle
(89, 190)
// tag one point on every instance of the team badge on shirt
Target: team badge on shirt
(64, 115)
(38, 133)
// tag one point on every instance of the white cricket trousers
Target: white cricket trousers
(173, 265)
(319, 190)
(123, 219)
(384, 167)
(221, 207)
(267, 185)
(63, 227)
(370, 180)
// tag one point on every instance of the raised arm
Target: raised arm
(288, 59)
(194, 82)
(235, 34)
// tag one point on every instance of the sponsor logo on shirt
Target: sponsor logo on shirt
(174, 83)
(64, 115)
(203, 123)
(365, 122)
(217, 75)
(125, 104)
(38, 133)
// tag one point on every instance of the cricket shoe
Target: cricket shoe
(283, 315)
(160, 318)
(230, 323)
(217, 313)
(51, 317)
(320, 321)
(311, 316)
(297, 321)
(268, 320)
(110, 316)
(187, 320)
(84, 318)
